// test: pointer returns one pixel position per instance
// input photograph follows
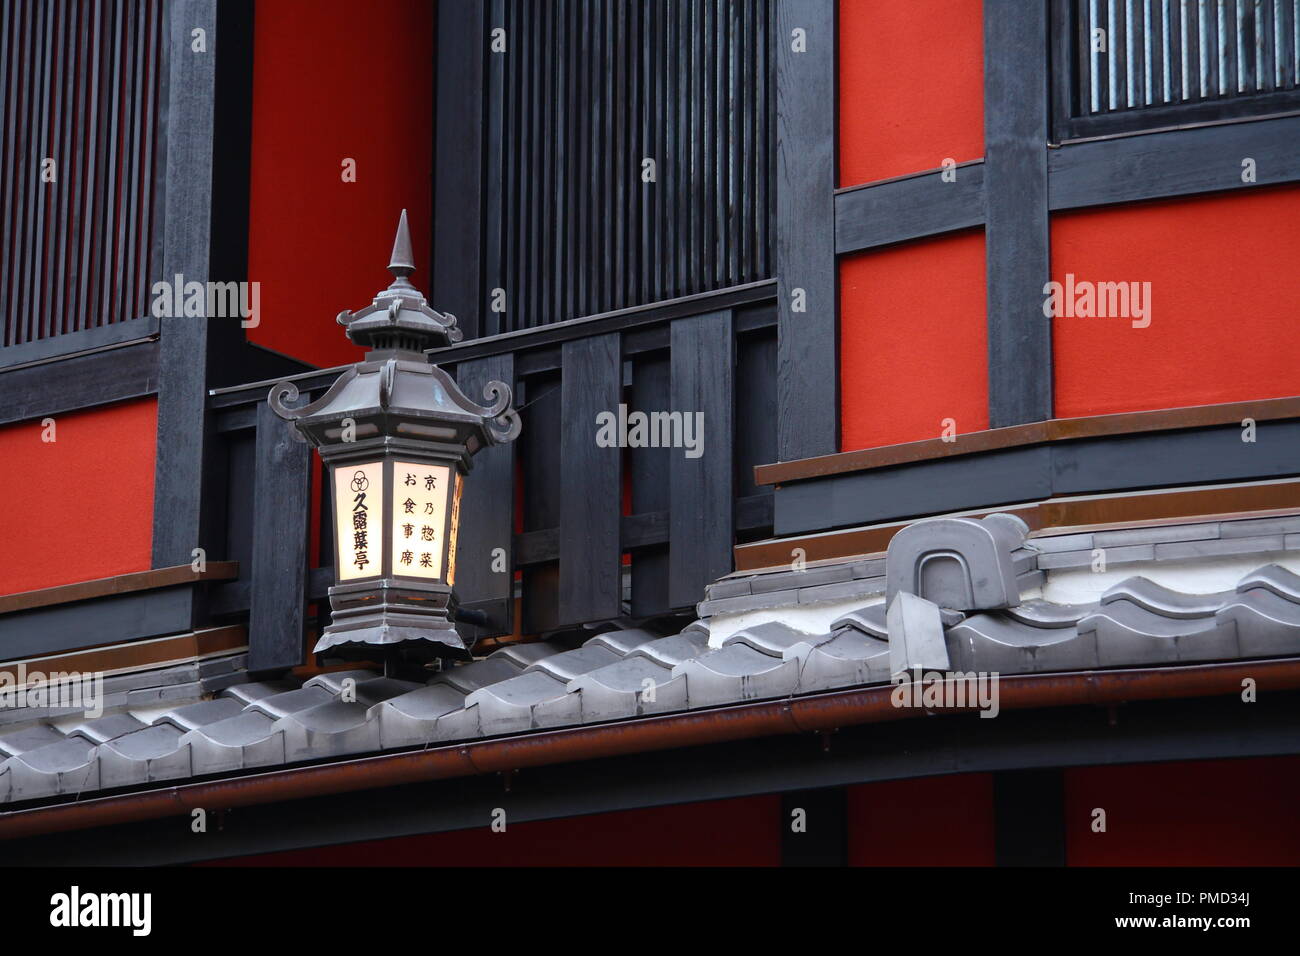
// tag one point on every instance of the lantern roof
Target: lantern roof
(395, 390)
(399, 317)
(403, 397)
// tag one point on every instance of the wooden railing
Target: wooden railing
(578, 530)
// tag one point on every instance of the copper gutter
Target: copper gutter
(821, 712)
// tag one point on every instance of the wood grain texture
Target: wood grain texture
(701, 511)
(1057, 429)
(78, 382)
(590, 588)
(487, 514)
(1096, 465)
(1015, 189)
(910, 207)
(807, 350)
(1059, 516)
(117, 584)
(1179, 162)
(458, 218)
(281, 504)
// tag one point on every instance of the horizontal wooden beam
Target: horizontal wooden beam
(1059, 515)
(619, 321)
(117, 584)
(1152, 165)
(138, 655)
(1145, 460)
(638, 531)
(1179, 162)
(82, 381)
(1057, 429)
(61, 347)
(909, 207)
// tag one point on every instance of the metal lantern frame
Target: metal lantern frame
(393, 409)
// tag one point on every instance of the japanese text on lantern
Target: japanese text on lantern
(359, 519)
(419, 518)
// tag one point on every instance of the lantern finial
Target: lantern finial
(403, 262)
(399, 319)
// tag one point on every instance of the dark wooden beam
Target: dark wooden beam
(461, 35)
(1111, 463)
(1056, 429)
(137, 655)
(78, 382)
(102, 338)
(1015, 189)
(191, 348)
(590, 586)
(910, 207)
(808, 399)
(1090, 513)
(281, 505)
(620, 321)
(701, 516)
(484, 562)
(1181, 162)
(112, 619)
(117, 584)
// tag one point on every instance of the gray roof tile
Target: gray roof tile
(736, 672)
(1273, 578)
(292, 701)
(623, 642)
(257, 690)
(671, 651)
(15, 742)
(1003, 644)
(103, 729)
(192, 716)
(567, 665)
(1161, 600)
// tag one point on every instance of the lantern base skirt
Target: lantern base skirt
(380, 633)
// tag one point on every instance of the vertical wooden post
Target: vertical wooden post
(458, 185)
(591, 487)
(484, 563)
(1018, 262)
(808, 402)
(702, 508)
(281, 505)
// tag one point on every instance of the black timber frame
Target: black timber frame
(1024, 176)
(1018, 260)
(1099, 465)
(808, 396)
(1146, 731)
(203, 236)
(458, 185)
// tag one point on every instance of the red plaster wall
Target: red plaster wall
(927, 821)
(744, 832)
(80, 507)
(329, 84)
(913, 347)
(911, 76)
(1225, 292)
(1202, 813)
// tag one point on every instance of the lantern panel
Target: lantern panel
(420, 517)
(359, 519)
